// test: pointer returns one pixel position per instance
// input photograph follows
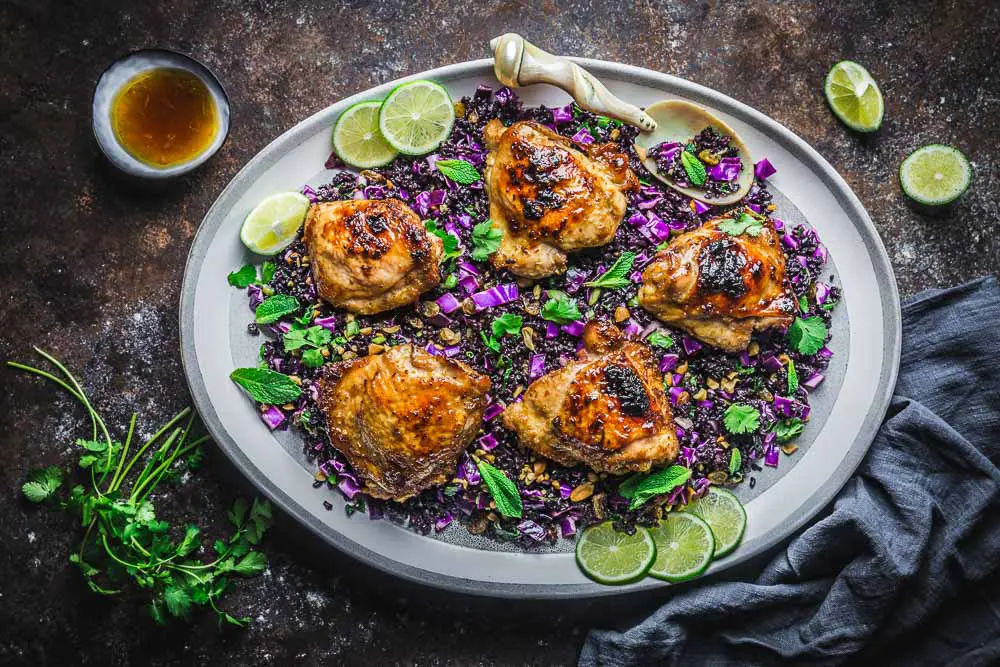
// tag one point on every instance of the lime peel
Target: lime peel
(725, 516)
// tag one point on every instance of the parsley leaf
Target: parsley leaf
(485, 240)
(275, 307)
(504, 491)
(42, 483)
(561, 309)
(787, 429)
(507, 324)
(266, 386)
(744, 224)
(244, 277)
(735, 461)
(460, 171)
(660, 339)
(253, 563)
(807, 335)
(740, 418)
(694, 169)
(617, 276)
(793, 378)
(449, 240)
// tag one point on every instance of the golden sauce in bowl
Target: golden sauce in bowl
(164, 117)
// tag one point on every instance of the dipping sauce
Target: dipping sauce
(164, 116)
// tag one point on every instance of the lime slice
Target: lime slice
(272, 225)
(416, 117)
(935, 175)
(611, 557)
(357, 140)
(854, 96)
(684, 547)
(724, 514)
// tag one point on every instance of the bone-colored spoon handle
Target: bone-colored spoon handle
(518, 62)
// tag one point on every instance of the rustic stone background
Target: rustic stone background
(91, 271)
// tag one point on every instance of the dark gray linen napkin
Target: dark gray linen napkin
(905, 567)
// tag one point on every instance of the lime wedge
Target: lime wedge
(611, 557)
(935, 175)
(416, 117)
(854, 96)
(357, 139)
(724, 514)
(684, 547)
(272, 225)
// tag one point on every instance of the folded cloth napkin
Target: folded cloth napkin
(905, 567)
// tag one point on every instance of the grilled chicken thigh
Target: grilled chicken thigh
(607, 409)
(551, 196)
(401, 418)
(719, 287)
(369, 256)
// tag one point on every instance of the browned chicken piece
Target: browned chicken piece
(719, 287)
(607, 409)
(402, 418)
(549, 195)
(369, 256)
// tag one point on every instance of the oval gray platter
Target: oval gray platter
(847, 408)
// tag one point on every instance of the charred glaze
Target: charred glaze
(622, 383)
(721, 264)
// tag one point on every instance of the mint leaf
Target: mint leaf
(740, 418)
(244, 277)
(735, 461)
(460, 171)
(266, 386)
(694, 169)
(312, 358)
(267, 271)
(787, 429)
(793, 378)
(561, 309)
(658, 483)
(660, 339)
(504, 491)
(449, 240)
(807, 335)
(507, 324)
(275, 307)
(486, 240)
(617, 276)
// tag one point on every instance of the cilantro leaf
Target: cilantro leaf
(449, 240)
(787, 429)
(42, 483)
(275, 307)
(312, 358)
(266, 386)
(190, 541)
(694, 169)
(735, 461)
(617, 276)
(507, 324)
(491, 342)
(504, 491)
(178, 601)
(486, 240)
(460, 171)
(793, 378)
(807, 335)
(244, 277)
(316, 336)
(656, 484)
(744, 224)
(740, 418)
(660, 339)
(253, 563)
(561, 309)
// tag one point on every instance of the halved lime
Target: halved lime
(854, 96)
(611, 557)
(684, 547)
(935, 175)
(272, 225)
(416, 117)
(357, 139)
(724, 514)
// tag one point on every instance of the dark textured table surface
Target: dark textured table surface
(92, 271)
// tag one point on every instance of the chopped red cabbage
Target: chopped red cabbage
(448, 303)
(637, 219)
(574, 328)
(329, 322)
(551, 330)
(467, 268)
(495, 296)
(492, 411)
(632, 329)
(728, 169)
(469, 284)
(562, 114)
(763, 169)
(583, 136)
(700, 207)
(488, 442)
(813, 380)
(675, 394)
(348, 486)
(531, 529)
(442, 522)
(567, 525)
(771, 456)
(273, 417)
(669, 362)
(536, 367)
(690, 345)
(822, 293)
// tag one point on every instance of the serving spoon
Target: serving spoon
(517, 62)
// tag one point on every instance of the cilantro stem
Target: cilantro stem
(159, 472)
(124, 455)
(107, 548)
(143, 477)
(80, 393)
(156, 436)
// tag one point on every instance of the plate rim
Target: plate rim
(837, 186)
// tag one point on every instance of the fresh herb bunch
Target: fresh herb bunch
(123, 539)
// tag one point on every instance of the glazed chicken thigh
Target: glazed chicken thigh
(369, 256)
(401, 418)
(720, 287)
(607, 409)
(549, 195)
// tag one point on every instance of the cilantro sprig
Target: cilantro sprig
(560, 308)
(448, 240)
(740, 419)
(124, 540)
(486, 240)
(807, 335)
(743, 224)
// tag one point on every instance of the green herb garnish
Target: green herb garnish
(448, 240)
(561, 309)
(491, 342)
(42, 483)
(352, 329)
(793, 378)
(660, 339)
(617, 276)
(807, 335)
(460, 171)
(740, 418)
(640, 488)
(735, 461)
(486, 238)
(787, 429)
(744, 224)
(507, 324)
(504, 491)
(275, 307)
(266, 386)
(693, 167)
(244, 277)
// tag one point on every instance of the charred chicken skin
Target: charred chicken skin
(718, 287)
(549, 195)
(369, 256)
(402, 418)
(607, 409)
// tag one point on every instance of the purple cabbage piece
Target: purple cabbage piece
(256, 296)
(583, 136)
(531, 529)
(632, 329)
(763, 169)
(329, 323)
(348, 486)
(448, 303)
(562, 114)
(669, 362)
(469, 284)
(495, 296)
(813, 381)
(551, 330)
(567, 525)
(443, 522)
(690, 345)
(536, 368)
(488, 442)
(728, 169)
(492, 411)
(574, 328)
(273, 417)
(701, 207)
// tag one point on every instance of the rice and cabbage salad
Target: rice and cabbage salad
(734, 412)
